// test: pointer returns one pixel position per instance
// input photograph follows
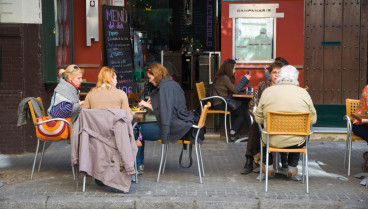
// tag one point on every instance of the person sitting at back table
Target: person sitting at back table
(285, 96)
(105, 95)
(223, 85)
(359, 129)
(65, 100)
(168, 104)
(280, 59)
(254, 133)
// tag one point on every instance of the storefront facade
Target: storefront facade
(326, 44)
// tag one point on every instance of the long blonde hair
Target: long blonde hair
(72, 71)
(104, 77)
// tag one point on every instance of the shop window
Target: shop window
(254, 40)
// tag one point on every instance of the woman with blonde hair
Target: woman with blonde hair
(65, 100)
(105, 95)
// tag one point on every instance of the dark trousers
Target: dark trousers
(253, 140)
(240, 114)
(361, 131)
(293, 158)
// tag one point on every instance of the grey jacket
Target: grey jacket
(103, 145)
(169, 105)
(64, 91)
(23, 110)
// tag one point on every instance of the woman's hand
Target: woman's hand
(145, 104)
(81, 103)
(248, 76)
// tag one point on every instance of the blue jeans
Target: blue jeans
(150, 131)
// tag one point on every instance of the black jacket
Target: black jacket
(169, 106)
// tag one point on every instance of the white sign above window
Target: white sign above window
(254, 10)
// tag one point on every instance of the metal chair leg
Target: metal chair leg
(349, 158)
(261, 163)
(35, 158)
(346, 148)
(73, 171)
(200, 156)
(226, 134)
(266, 173)
(161, 161)
(307, 169)
(43, 152)
(199, 167)
(166, 149)
(303, 169)
(84, 182)
(136, 172)
(277, 157)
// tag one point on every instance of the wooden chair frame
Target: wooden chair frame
(351, 106)
(201, 90)
(164, 147)
(286, 123)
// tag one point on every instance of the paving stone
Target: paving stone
(223, 185)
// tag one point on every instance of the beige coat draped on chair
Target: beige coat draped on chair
(103, 145)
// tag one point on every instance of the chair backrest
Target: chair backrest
(351, 106)
(202, 119)
(134, 98)
(31, 109)
(288, 123)
(201, 90)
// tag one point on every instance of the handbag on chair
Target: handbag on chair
(53, 130)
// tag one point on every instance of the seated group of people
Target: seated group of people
(280, 93)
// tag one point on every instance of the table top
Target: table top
(139, 115)
(363, 119)
(247, 95)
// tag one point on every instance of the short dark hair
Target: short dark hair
(275, 64)
(281, 59)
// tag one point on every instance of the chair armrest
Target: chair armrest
(261, 129)
(53, 119)
(214, 97)
(195, 126)
(311, 130)
(346, 118)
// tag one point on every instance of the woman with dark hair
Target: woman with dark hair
(223, 85)
(168, 104)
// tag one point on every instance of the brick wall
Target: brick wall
(21, 76)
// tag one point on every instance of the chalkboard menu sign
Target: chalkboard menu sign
(118, 45)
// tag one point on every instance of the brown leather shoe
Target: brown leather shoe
(271, 172)
(290, 174)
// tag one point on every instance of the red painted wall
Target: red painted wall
(289, 37)
(83, 54)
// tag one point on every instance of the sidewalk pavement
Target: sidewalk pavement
(223, 185)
